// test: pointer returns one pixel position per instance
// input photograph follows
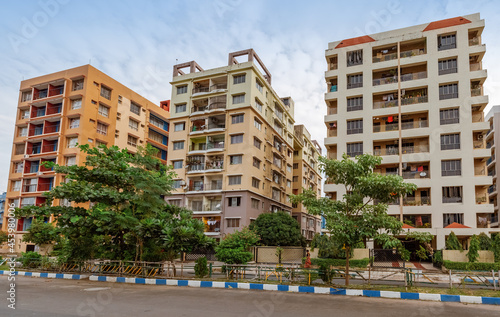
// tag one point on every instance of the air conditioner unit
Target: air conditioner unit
(479, 136)
(142, 125)
(26, 156)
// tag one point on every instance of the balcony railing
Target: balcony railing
(443, 47)
(404, 102)
(492, 189)
(494, 218)
(205, 187)
(48, 93)
(384, 81)
(354, 85)
(215, 145)
(195, 167)
(405, 149)
(417, 175)
(217, 105)
(414, 76)
(451, 200)
(38, 131)
(384, 57)
(39, 113)
(490, 160)
(448, 96)
(413, 201)
(386, 127)
(481, 199)
(201, 89)
(30, 188)
(410, 53)
(414, 124)
(214, 165)
(474, 41)
(448, 71)
(198, 147)
(474, 92)
(218, 86)
(51, 129)
(478, 144)
(475, 66)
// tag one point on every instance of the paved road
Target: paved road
(55, 298)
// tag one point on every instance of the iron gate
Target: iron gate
(386, 258)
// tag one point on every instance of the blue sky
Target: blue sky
(138, 42)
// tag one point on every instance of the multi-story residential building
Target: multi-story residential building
(492, 137)
(414, 96)
(76, 106)
(306, 174)
(231, 144)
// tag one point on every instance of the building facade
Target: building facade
(414, 96)
(306, 174)
(76, 106)
(492, 137)
(231, 144)
(2, 206)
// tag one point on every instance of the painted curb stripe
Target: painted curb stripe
(270, 287)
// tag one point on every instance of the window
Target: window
(180, 108)
(237, 118)
(288, 183)
(255, 203)
(355, 126)
(355, 103)
(256, 162)
(295, 166)
(450, 141)
(155, 136)
(257, 143)
(132, 141)
(235, 159)
(239, 79)
(354, 149)
(233, 223)
(234, 201)
(448, 91)
(176, 184)
(289, 168)
(70, 160)
(105, 92)
(25, 114)
(102, 128)
(22, 131)
(175, 202)
(259, 86)
(238, 138)
(182, 89)
(449, 116)
(448, 219)
(181, 126)
(295, 179)
(451, 168)
(72, 142)
(238, 99)
(446, 42)
(18, 167)
(355, 58)
(354, 81)
(177, 164)
(178, 145)
(77, 84)
(235, 180)
(452, 194)
(258, 105)
(103, 110)
(255, 183)
(26, 96)
(76, 104)
(74, 123)
(134, 108)
(448, 66)
(257, 124)
(134, 125)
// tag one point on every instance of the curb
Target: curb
(270, 287)
(47, 275)
(303, 289)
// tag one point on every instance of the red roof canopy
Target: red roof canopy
(455, 225)
(405, 226)
(355, 41)
(446, 23)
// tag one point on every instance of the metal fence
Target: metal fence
(386, 259)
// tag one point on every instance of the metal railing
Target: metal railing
(204, 187)
(414, 76)
(412, 201)
(443, 47)
(417, 174)
(384, 57)
(413, 52)
(448, 71)
(354, 85)
(474, 92)
(492, 189)
(448, 96)
(215, 145)
(384, 81)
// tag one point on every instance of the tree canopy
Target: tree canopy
(234, 249)
(361, 214)
(278, 229)
(127, 212)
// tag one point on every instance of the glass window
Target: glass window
(178, 145)
(181, 126)
(449, 116)
(102, 128)
(132, 141)
(76, 104)
(74, 123)
(257, 143)
(234, 201)
(451, 168)
(238, 99)
(182, 89)
(257, 124)
(354, 149)
(105, 92)
(256, 162)
(77, 84)
(103, 110)
(239, 79)
(180, 108)
(450, 141)
(134, 108)
(355, 103)
(134, 125)
(233, 223)
(237, 118)
(355, 58)
(234, 180)
(355, 126)
(255, 183)
(235, 159)
(259, 85)
(72, 142)
(258, 105)
(177, 164)
(255, 203)
(238, 138)
(70, 160)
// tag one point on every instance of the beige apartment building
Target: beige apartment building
(493, 117)
(306, 174)
(231, 143)
(414, 96)
(56, 112)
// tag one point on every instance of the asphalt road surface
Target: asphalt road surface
(55, 298)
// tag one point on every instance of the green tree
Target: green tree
(484, 241)
(452, 242)
(495, 246)
(354, 218)
(4, 237)
(328, 247)
(201, 268)
(126, 192)
(278, 229)
(473, 253)
(41, 233)
(235, 248)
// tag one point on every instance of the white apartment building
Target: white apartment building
(414, 97)
(492, 137)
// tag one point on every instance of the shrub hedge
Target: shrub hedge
(338, 262)
(467, 266)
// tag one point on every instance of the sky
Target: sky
(138, 42)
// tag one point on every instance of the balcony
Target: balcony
(477, 91)
(201, 187)
(492, 189)
(332, 63)
(389, 100)
(418, 221)
(417, 201)
(48, 92)
(478, 144)
(481, 199)
(407, 74)
(332, 84)
(216, 145)
(385, 53)
(212, 207)
(490, 160)
(409, 146)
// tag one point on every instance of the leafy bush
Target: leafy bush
(234, 249)
(438, 257)
(422, 253)
(278, 229)
(484, 241)
(495, 246)
(339, 262)
(329, 248)
(326, 273)
(473, 253)
(452, 242)
(467, 266)
(31, 259)
(201, 268)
